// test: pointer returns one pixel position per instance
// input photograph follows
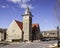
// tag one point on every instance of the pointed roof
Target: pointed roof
(35, 25)
(27, 12)
(20, 24)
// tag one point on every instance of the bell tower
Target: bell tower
(27, 25)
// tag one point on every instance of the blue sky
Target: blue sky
(43, 11)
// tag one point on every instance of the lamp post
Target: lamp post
(58, 35)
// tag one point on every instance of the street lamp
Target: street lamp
(58, 35)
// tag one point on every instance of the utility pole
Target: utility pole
(58, 35)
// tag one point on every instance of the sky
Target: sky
(42, 10)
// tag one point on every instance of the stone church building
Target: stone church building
(25, 30)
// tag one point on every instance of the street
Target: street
(43, 44)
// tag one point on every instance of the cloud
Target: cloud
(14, 1)
(25, 5)
(4, 6)
(18, 1)
(22, 3)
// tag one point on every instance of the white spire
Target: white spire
(27, 11)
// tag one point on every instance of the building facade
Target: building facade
(14, 31)
(52, 34)
(27, 24)
(2, 34)
(25, 30)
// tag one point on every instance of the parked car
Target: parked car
(45, 39)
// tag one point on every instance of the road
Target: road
(30, 45)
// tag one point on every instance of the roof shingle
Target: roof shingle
(20, 24)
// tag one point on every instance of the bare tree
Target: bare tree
(57, 10)
(57, 14)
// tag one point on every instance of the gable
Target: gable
(14, 31)
(13, 26)
(20, 24)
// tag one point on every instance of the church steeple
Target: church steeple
(27, 24)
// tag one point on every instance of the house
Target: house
(50, 34)
(2, 34)
(25, 30)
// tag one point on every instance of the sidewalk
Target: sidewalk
(52, 45)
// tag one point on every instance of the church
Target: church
(25, 31)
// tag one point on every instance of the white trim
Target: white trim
(11, 24)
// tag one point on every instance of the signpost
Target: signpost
(58, 35)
